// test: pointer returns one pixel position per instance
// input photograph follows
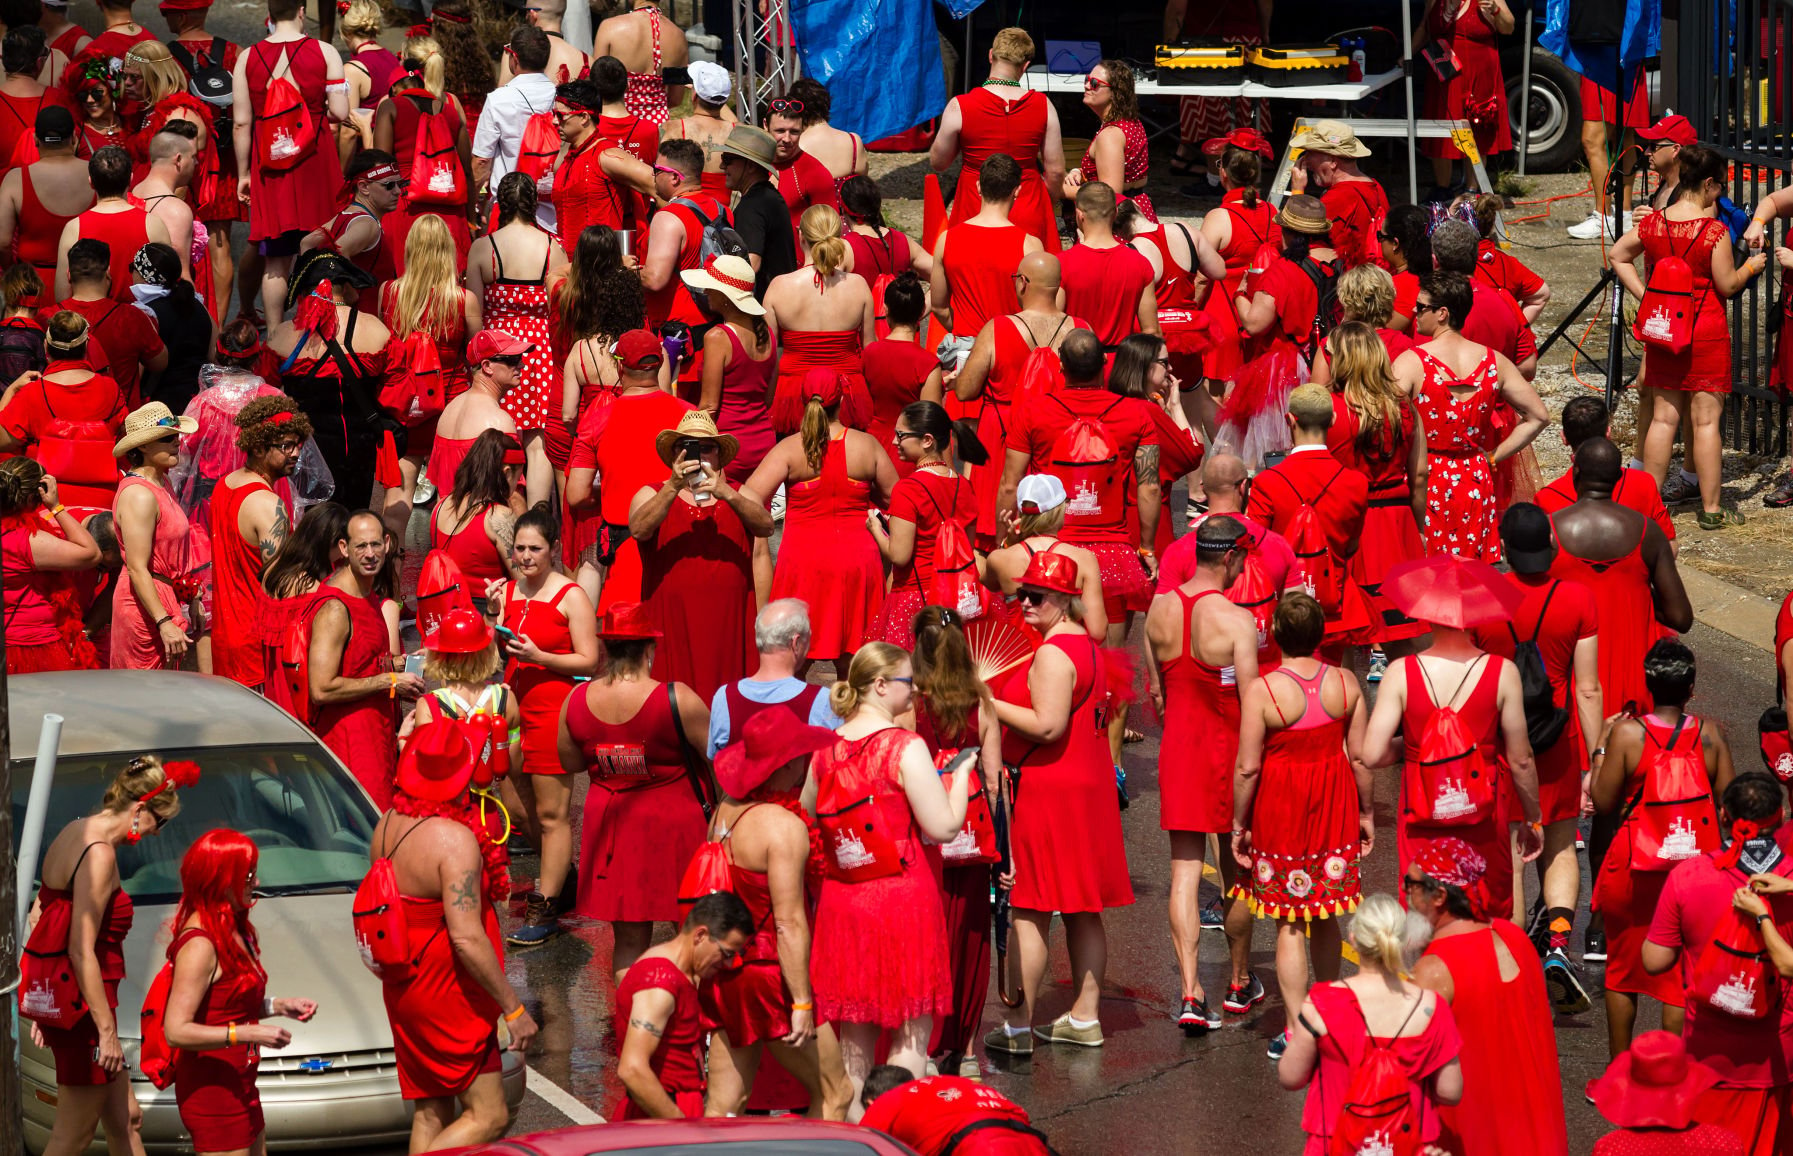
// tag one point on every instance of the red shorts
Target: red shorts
(1598, 103)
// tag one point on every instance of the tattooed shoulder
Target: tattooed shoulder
(277, 533)
(463, 893)
(652, 1029)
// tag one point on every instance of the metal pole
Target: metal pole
(12, 1122)
(965, 57)
(1525, 91)
(37, 812)
(1412, 118)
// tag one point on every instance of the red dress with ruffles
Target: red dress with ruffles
(74, 1047)
(215, 1090)
(1253, 229)
(1390, 535)
(989, 124)
(540, 692)
(304, 196)
(1462, 515)
(1706, 366)
(444, 1032)
(1252, 418)
(803, 350)
(678, 1059)
(879, 954)
(829, 559)
(1201, 736)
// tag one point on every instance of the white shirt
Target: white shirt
(500, 131)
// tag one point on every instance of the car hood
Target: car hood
(308, 947)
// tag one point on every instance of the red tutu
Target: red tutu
(1125, 583)
(1252, 416)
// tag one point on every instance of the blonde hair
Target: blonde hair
(1012, 46)
(427, 298)
(1367, 293)
(814, 432)
(435, 69)
(871, 662)
(1045, 522)
(1388, 936)
(820, 226)
(162, 77)
(362, 19)
(442, 666)
(140, 776)
(1366, 380)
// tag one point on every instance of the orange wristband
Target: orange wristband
(232, 1036)
(514, 1015)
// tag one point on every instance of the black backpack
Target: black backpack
(210, 82)
(1544, 719)
(1328, 313)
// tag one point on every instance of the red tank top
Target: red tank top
(1104, 285)
(678, 1059)
(991, 125)
(543, 622)
(1174, 287)
(1253, 228)
(1205, 698)
(18, 119)
(741, 708)
(236, 576)
(39, 230)
(673, 302)
(382, 69)
(124, 233)
(234, 998)
(980, 273)
(583, 195)
(471, 549)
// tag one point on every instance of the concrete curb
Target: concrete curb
(1744, 615)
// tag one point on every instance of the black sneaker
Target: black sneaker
(1593, 945)
(1567, 995)
(1213, 916)
(1242, 997)
(1196, 1016)
(540, 924)
(1279, 1044)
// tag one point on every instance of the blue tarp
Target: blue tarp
(879, 58)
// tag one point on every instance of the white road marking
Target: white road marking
(560, 1099)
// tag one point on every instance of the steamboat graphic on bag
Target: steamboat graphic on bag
(283, 146)
(1377, 1144)
(1736, 995)
(1452, 801)
(850, 853)
(1682, 840)
(39, 1001)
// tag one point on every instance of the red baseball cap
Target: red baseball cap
(490, 343)
(639, 349)
(1675, 129)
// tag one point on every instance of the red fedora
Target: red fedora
(1057, 572)
(627, 620)
(437, 764)
(1654, 1085)
(770, 739)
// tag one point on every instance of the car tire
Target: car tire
(1553, 109)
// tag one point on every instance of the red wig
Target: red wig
(215, 877)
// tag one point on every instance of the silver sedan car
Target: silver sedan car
(264, 774)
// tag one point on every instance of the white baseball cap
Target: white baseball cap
(710, 81)
(1039, 493)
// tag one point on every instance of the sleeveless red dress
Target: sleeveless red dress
(879, 951)
(678, 1060)
(744, 411)
(1706, 366)
(304, 196)
(697, 579)
(1462, 514)
(1175, 289)
(803, 350)
(1253, 229)
(38, 236)
(1201, 736)
(1103, 285)
(885, 255)
(474, 552)
(237, 591)
(642, 821)
(219, 1104)
(362, 733)
(1065, 839)
(927, 500)
(136, 641)
(540, 692)
(751, 1002)
(980, 273)
(1390, 535)
(1627, 615)
(519, 306)
(1304, 836)
(895, 371)
(829, 559)
(1475, 700)
(443, 1021)
(965, 901)
(407, 126)
(124, 234)
(988, 125)
(1512, 1093)
(73, 1047)
(1477, 91)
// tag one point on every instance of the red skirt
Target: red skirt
(965, 894)
(444, 1031)
(73, 1048)
(540, 695)
(895, 623)
(1304, 836)
(22, 659)
(219, 1105)
(1390, 536)
(833, 564)
(633, 848)
(1757, 1116)
(752, 1004)
(1626, 899)
(1125, 583)
(880, 951)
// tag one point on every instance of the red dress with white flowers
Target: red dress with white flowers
(1461, 513)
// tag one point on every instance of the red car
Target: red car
(740, 1136)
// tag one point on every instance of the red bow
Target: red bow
(418, 30)
(1742, 831)
(1249, 139)
(342, 7)
(176, 775)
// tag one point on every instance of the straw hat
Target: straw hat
(752, 144)
(153, 422)
(1304, 214)
(730, 276)
(1330, 136)
(696, 424)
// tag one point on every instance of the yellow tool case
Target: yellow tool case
(1201, 62)
(1288, 65)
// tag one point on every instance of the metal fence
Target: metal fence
(1736, 82)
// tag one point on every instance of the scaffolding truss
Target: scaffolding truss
(765, 57)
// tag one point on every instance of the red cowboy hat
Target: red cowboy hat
(437, 764)
(1048, 571)
(1450, 591)
(770, 739)
(459, 631)
(627, 620)
(1249, 139)
(1654, 1085)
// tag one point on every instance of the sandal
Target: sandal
(1131, 736)
(1182, 166)
(1781, 496)
(1720, 519)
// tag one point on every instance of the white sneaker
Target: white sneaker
(1596, 224)
(777, 506)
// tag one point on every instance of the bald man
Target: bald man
(995, 367)
(565, 62)
(1224, 478)
(172, 154)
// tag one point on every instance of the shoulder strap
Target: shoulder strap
(1187, 240)
(406, 835)
(1544, 610)
(80, 859)
(698, 788)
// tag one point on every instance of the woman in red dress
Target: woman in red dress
(822, 318)
(831, 476)
(1142, 369)
(1065, 838)
(1407, 248)
(930, 496)
(89, 1057)
(68, 418)
(1245, 224)
(899, 370)
(1118, 154)
(475, 525)
(218, 998)
(1697, 380)
(879, 955)
(418, 93)
(874, 249)
(88, 81)
(739, 356)
(42, 547)
(552, 640)
(1303, 802)
(639, 740)
(1477, 93)
(303, 563)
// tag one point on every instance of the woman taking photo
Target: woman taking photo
(738, 358)
(1117, 154)
(218, 999)
(153, 625)
(821, 316)
(1065, 838)
(832, 476)
(879, 956)
(1244, 224)
(552, 639)
(874, 249)
(417, 92)
(68, 417)
(641, 741)
(899, 369)
(90, 905)
(1142, 369)
(1041, 502)
(304, 561)
(1303, 802)
(475, 526)
(43, 611)
(919, 505)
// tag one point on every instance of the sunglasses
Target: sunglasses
(1422, 306)
(394, 186)
(93, 94)
(562, 117)
(902, 678)
(513, 361)
(898, 438)
(1164, 361)
(1091, 84)
(785, 106)
(671, 172)
(1033, 597)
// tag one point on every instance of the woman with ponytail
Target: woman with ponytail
(419, 92)
(1244, 224)
(219, 997)
(899, 367)
(42, 546)
(90, 905)
(933, 495)
(1379, 1007)
(821, 317)
(832, 476)
(874, 248)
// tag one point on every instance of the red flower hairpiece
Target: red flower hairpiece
(177, 775)
(418, 30)
(342, 7)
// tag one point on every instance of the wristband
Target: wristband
(515, 1014)
(164, 618)
(1760, 918)
(59, 510)
(810, 1006)
(267, 1007)
(392, 684)
(231, 1036)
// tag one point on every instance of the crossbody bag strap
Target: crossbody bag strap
(705, 800)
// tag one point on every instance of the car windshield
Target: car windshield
(305, 814)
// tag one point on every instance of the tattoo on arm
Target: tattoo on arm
(270, 543)
(651, 1029)
(504, 531)
(1145, 465)
(464, 893)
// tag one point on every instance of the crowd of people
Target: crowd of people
(614, 355)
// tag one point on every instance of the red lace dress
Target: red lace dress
(1462, 514)
(879, 954)
(1706, 366)
(519, 306)
(219, 1104)
(829, 559)
(1136, 161)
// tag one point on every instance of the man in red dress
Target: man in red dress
(781, 634)
(1494, 318)
(374, 185)
(1586, 416)
(803, 180)
(352, 690)
(1106, 282)
(596, 182)
(658, 1016)
(1754, 1094)
(38, 199)
(634, 135)
(249, 522)
(129, 343)
(1355, 204)
(975, 261)
(1225, 485)
(123, 226)
(947, 1115)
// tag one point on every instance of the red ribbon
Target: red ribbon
(342, 7)
(450, 17)
(418, 30)
(1742, 831)
(725, 279)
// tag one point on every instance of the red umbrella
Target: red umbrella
(1452, 591)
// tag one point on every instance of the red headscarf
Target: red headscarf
(1452, 861)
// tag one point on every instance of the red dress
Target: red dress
(1356, 210)
(136, 641)
(1461, 512)
(744, 411)
(801, 350)
(1627, 616)
(44, 627)
(990, 124)
(1512, 1092)
(642, 821)
(885, 255)
(1481, 718)
(420, 432)
(895, 371)
(1347, 1041)
(1478, 93)
(361, 733)
(879, 955)
(1201, 736)
(219, 1104)
(1135, 164)
(70, 430)
(1304, 835)
(396, 225)
(1179, 453)
(540, 692)
(304, 196)
(519, 306)
(750, 1002)
(443, 1021)
(678, 1059)
(697, 579)
(237, 591)
(1175, 289)
(980, 273)
(123, 234)
(1390, 535)
(1706, 366)
(965, 901)
(1252, 229)
(277, 614)
(926, 500)
(829, 559)
(1066, 834)
(38, 235)
(804, 182)
(74, 1047)
(470, 547)
(620, 446)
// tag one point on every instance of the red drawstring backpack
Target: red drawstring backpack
(956, 583)
(540, 144)
(413, 388)
(976, 841)
(76, 451)
(1253, 591)
(1733, 974)
(1777, 747)
(1671, 817)
(379, 916)
(1323, 576)
(1451, 783)
(1185, 331)
(1086, 458)
(709, 871)
(288, 131)
(436, 174)
(858, 847)
(1665, 315)
(156, 1055)
(1042, 374)
(441, 587)
(1377, 1117)
(49, 994)
(295, 663)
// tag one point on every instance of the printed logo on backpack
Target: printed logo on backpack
(1665, 315)
(1087, 459)
(857, 843)
(1671, 818)
(288, 130)
(1734, 975)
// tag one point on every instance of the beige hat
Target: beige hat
(153, 422)
(752, 144)
(730, 276)
(1330, 136)
(700, 425)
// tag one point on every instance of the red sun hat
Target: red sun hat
(770, 739)
(437, 764)
(1249, 139)
(460, 631)
(627, 620)
(1056, 572)
(1653, 1085)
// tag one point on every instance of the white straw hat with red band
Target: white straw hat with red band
(730, 276)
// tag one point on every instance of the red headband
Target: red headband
(176, 775)
(255, 350)
(723, 278)
(1742, 831)
(1248, 139)
(515, 457)
(282, 417)
(380, 172)
(451, 17)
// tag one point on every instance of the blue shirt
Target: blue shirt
(779, 690)
(1641, 39)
